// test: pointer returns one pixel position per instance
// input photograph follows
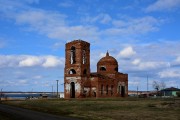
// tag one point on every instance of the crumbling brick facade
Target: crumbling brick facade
(79, 82)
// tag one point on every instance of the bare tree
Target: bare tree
(159, 85)
(156, 85)
(162, 85)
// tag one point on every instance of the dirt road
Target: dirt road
(15, 113)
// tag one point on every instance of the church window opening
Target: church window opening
(72, 89)
(102, 69)
(94, 94)
(122, 91)
(73, 57)
(101, 89)
(84, 57)
(111, 89)
(85, 72)
(72, 71)
(106, 89)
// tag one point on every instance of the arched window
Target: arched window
(73, 55)
(72, 71)
(72, 89)
(85, 71)
(102, 69)
(116, 69)
(84, 57)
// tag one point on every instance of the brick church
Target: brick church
(79, 82)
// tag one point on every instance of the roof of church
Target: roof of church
(107, 60)
(77, 41)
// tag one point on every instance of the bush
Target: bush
(178, 93)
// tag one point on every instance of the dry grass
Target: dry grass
(108, 109)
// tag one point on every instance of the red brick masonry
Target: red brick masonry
(79, 82)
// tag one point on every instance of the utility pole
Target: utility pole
(147, 86)
(1, 94)
(57, 88)
(52, 90)
(137, 91)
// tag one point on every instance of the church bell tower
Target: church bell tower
(77, 68)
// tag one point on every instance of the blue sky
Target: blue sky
(143, 35)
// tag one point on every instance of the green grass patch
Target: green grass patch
(107, 109)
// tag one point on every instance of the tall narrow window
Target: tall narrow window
(101, 89)
(85, 72)
(84, 57)
(111, 89)
(73, 55)
(106, 89)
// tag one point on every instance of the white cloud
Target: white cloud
(178, 59)
(30, 61)
(169, 74)
(133, 83)
(66, 4)
(152, 65)
(57, 26)
(75, 32)
(163, 5)
(54, 25)
(102, 18)
(126, 52)
(37, 77)
(134, 26)
(148, 65)
(176, 62)
(136, 61)
(52, 61)
(172, 83)
(102, 55)
(8, 60)
(22, 81)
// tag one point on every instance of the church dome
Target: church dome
(107, 60)
(107, 64)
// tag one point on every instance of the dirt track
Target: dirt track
(15, 113)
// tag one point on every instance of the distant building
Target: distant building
(170, 91)
(79, 82)
(61, 95)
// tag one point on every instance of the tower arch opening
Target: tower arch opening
(73, 55)
(72, 71)
(84, 57)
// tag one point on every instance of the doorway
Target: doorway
(122, 91)
(72, 94)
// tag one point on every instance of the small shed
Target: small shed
(172, 91)
(43, 96)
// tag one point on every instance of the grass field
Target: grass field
(107, 109)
